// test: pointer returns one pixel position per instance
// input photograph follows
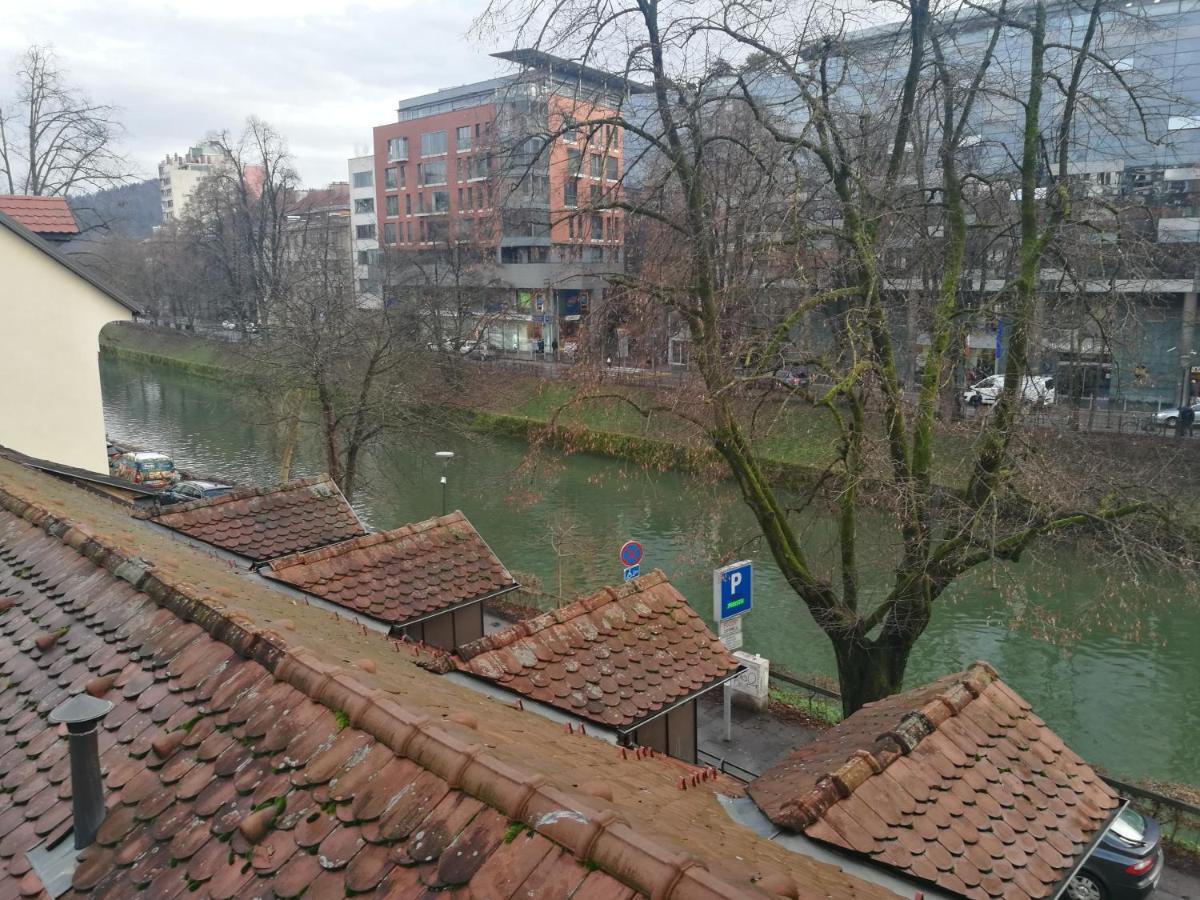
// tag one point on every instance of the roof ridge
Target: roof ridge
(507, 636)
(913, 727)
(363, 541)
(601, 837)
(241, 493)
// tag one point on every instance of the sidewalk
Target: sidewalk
(760, 740)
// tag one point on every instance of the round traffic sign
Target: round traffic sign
(631, 553)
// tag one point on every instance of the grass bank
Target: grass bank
(173, 349)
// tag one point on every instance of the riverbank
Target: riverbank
(797, 447)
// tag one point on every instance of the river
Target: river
(1120, 692)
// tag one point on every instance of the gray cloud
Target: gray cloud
(323, 73)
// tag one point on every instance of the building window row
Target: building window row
(363, 179)
(604, 134)
(397, 149)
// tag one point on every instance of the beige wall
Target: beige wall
(50, 321)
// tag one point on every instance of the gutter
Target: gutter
(1087, 853)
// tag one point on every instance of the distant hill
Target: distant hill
(131, 210)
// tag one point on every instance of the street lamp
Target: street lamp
(445, 456)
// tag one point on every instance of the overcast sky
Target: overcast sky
(324, 72)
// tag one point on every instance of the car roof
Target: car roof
(146, 454)
(204, 485)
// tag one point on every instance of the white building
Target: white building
(364, 225)
(179, 175)
(51, 313)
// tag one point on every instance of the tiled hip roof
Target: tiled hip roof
(616, 657)
(400, 575)
(957, 783)
(265, 523)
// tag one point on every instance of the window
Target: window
(611, 164)
(389, 232)
(574, 163)
(364, 232)
(441, 201)
(470, 198)
(595, 193)
(408, 204)
(366, 205)
(403, 168)
(594, 164)
(408, 228)
(364, 257)
(460, 199)
(398, 148)
(363, 179)
(597, 228)
(479, 167)
(462, 138)
(437, 231)
(570, 192)
(393, 205)
(389, 179)
(568, 134)
(432, 173)
(433, 143)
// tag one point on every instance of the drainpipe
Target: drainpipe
(82, 715)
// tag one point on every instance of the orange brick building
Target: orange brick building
(526, 170)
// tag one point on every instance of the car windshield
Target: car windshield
(1130, 825)
(157, 464)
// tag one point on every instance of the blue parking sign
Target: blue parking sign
(732, 590)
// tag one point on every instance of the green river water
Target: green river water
(1123, 692)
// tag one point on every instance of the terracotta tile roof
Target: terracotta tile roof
(264, 523)
(219, 776)
(400, 575)
(653, 824)
(957, 783)
(615, 657)
(41, 215)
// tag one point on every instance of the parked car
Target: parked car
(113, 452)
(792, 378)
(1036, 389)
(1125, 865)
(1168, 417)
(229, 325)
(146, 467)
(187, 491)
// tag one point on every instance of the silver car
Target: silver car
(1168, 417)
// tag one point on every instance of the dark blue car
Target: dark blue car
(1125, 865)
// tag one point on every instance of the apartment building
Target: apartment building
(179, 174)
(364, 226)
(525, 172)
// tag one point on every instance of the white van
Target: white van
(1035, 389)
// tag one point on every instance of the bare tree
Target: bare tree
(54, 140)
(856, 154)
(238, 219)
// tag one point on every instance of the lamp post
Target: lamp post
(445, 456)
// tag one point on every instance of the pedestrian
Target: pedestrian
(1187, 420)
(554, 348)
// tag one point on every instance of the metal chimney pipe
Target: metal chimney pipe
(82, 714)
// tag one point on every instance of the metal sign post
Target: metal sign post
(732, 598)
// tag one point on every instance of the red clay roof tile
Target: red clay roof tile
(985, 802)
(438, 793)
(400, 575)
(41, 215)
(590, 656)
(265, 523)
(179, 815)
